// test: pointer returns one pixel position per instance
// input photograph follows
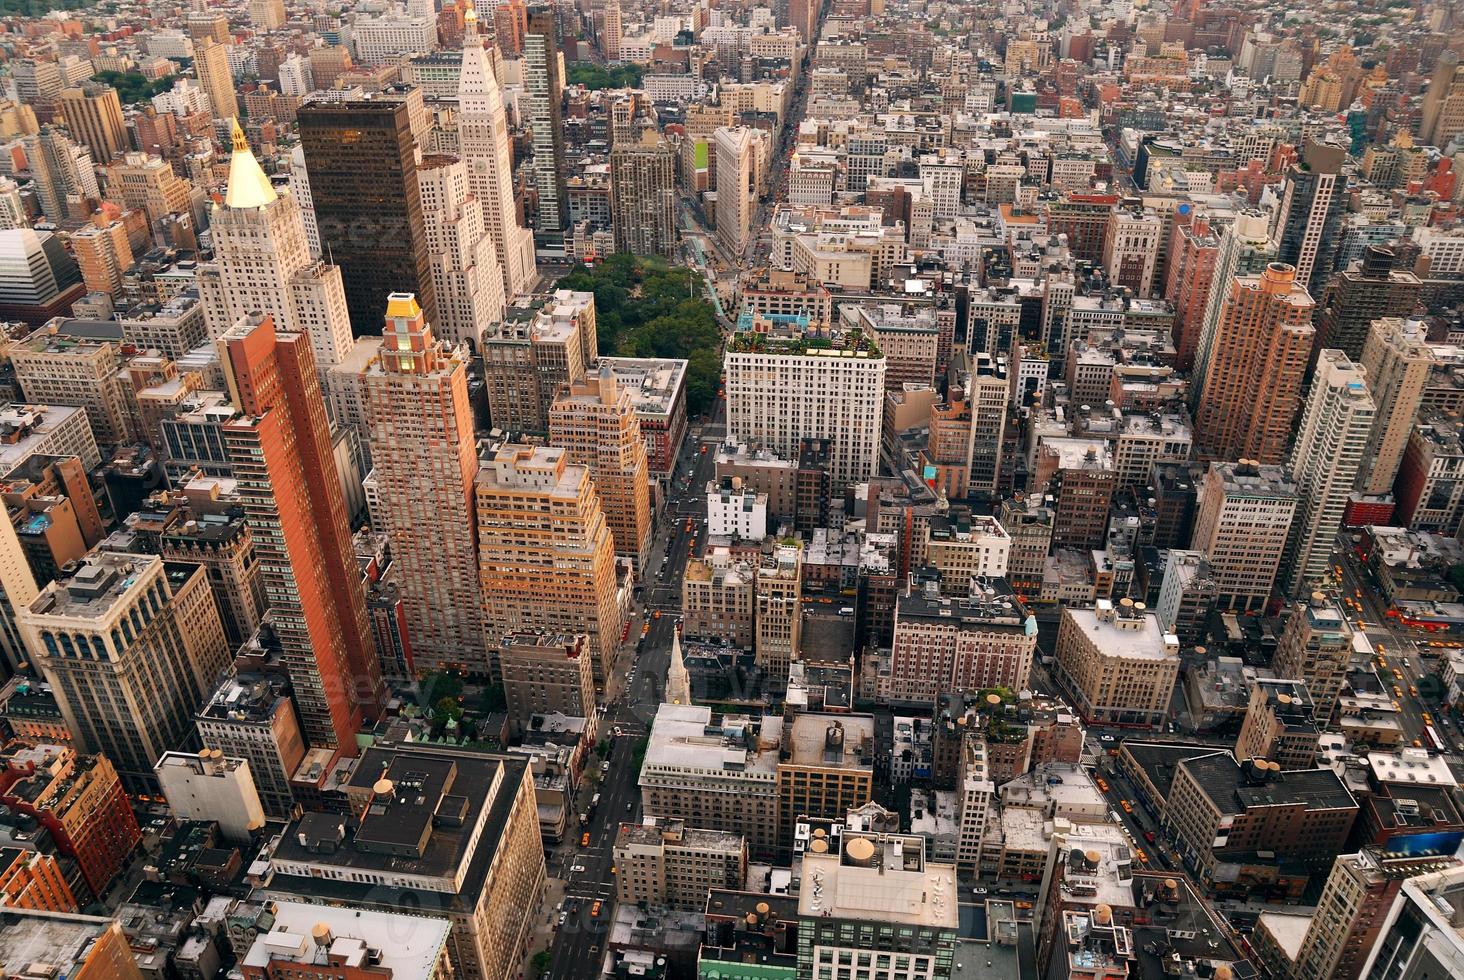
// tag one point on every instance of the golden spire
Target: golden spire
(249, 186)
(470, 18)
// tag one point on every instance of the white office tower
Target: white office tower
(300, 190)
(466, 277)
(1335, 425)
(262, 263)
(12, 209)
(483, 141)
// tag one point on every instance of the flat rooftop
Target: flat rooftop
(690, 737)
(406, 946)
(842, 741)
(60, 939)
(105, 580)
(879, 878)
(1224, 782)
(1142, 638)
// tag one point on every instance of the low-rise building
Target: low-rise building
(663, 863)
(1244, 826)
(314, 940)
(877, 896)
(453, 834)
(951, 644)
(719, 772)
(717, 599)
(1117, 664)
(1280, 724)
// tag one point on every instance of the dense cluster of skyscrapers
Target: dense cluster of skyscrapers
(1029, 539)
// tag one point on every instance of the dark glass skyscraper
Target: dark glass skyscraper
(543, 93)
(360, 155)
(1311, 214)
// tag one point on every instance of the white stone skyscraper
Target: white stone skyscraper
(300, 187)
(1325, 458)
(483, 140)
(262, 264)
(466, 276)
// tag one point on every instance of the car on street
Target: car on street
(577, 869)
(585, 839)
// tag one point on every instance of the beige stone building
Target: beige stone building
(826, 768)
(1242, 523)
(778, 619)
(546, 557)
(217, 536)
(718, 772)
(664, 863)
(148, 184)
(596, 421)
(1397, 360)
(547, 673)
(1116, 663)
(58, 368)
(131, 646)
(1315, 648)
(717, 598)
(1279, 724)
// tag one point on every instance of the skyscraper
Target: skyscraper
(144, 632)
(596, 421)
(267, 15)
(283, 458)
(1245, 511)
(262, 264)
(1443, 103)
(425, 460)
(782, 390)
(611, 32)
(1252, 385)
(542, 97)
(362, 158)
(643, 197)
(94, 116)
(1310, 219)
(1245, 249)
(17, 591)
(1324, 462)
(483, 142)
(465, 273)
(211, 65)
(545, 554)
(1369, 290)
(1397, 360)
(736, 151)
(62, 170)
(803, 16)
(102, 254)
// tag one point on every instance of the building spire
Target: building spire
(678, 683)
(470, 25)
(249, 186)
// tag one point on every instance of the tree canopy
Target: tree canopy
(133, 86)
(595, 77)
(649, 308)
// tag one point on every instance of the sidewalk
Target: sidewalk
(544, 931)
